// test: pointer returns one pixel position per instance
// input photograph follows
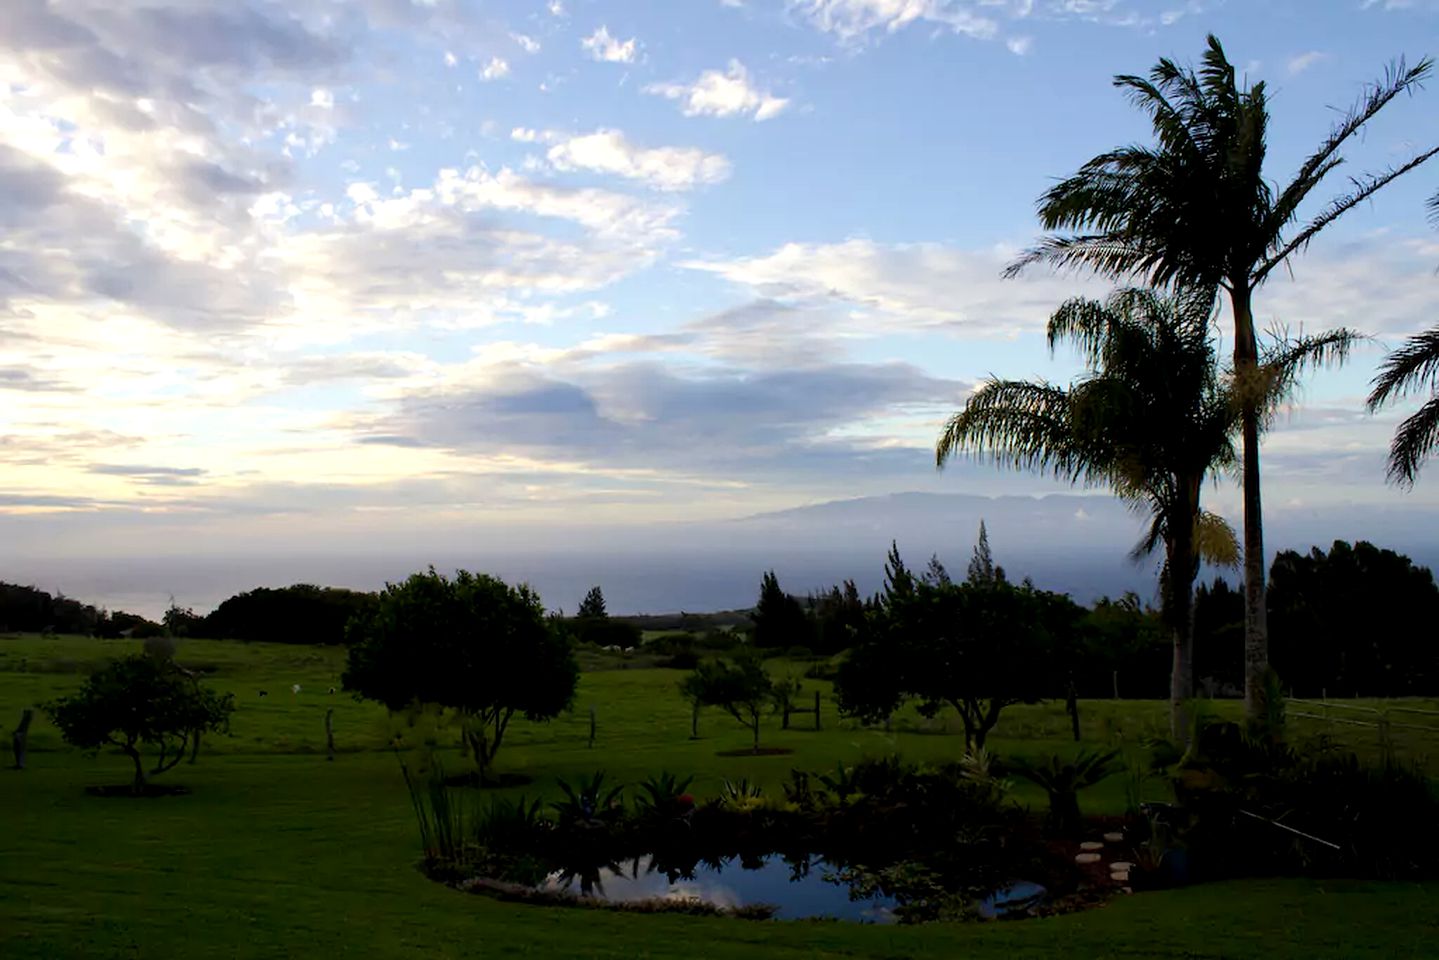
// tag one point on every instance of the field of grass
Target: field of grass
(278, 852)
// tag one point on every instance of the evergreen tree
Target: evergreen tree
(981, 565)
(592, 607)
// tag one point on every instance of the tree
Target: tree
(1354, 620)
(1150, 420)
(981, 565)
(1196, 211)
(1405, 371)
(742, 688)
(975, 648)
(839, 619)
(136, 703)
(300, 613)
(779, 619)
(472, 644)
(592, 607)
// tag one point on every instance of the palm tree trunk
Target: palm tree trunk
(1256, 622)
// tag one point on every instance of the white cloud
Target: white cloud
(722, 95)
(915, 286)
(1020, 46)
(524, 135)
(607, 49)
(665, 168)
(450, 58)
(496, 68)
(851, 20)
(527, 43)
(322, 98)
(556, 8)
(1298, 64)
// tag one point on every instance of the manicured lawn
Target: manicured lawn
(278, 852)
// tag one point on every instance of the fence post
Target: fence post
(695, 721)
(20, 739)
(592, 725)
(816, 709)
(1116, 684)
(330, 733)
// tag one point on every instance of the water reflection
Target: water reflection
(799, 890)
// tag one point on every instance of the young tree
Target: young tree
(742, 688)
(136, 703)
(779, 619)
(471, 644)
(1196, 210)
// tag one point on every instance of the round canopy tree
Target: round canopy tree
(472, 644)
(140, 701)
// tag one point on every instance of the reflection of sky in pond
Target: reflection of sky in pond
(732, 886)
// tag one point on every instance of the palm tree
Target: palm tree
(1151, 419)
(1195, 210)
(1406, 370)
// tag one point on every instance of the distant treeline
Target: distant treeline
(1351, 621)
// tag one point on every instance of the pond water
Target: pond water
(773, 881)
(797, 893)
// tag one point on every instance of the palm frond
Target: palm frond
(1015, 423)
(1416, 438)
(1290, 358)
(1407, 369)
(1363, 188)
(1397, 79)
(1215, 540)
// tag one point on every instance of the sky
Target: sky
(323, 277)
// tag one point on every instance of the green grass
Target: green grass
(278, 852)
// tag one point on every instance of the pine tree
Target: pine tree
(981, 565)
(592, 607)
(898, 581)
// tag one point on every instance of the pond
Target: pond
(799, 894)
(798, 891)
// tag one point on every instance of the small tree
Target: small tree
(741, 688)
(140, 702)
(472, 644)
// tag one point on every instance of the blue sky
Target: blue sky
(290, 275)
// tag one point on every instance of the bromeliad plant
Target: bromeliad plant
(1062, 780)
(664, 796)
(588, 803)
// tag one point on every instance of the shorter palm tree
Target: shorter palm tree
(1151, 420)
(1405, 371)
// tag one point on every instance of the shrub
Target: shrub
(1062, 780)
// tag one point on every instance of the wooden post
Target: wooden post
(330, 733)
(784, 715)
(592, 725)
(20, 739)
(816, 709)
(695, 721)
(1116, 684)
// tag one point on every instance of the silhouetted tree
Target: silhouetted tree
(779, 619)
(1406, 370)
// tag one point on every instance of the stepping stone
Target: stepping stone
(1086, 858)
(1114, 838)
(1121, 865)
(1091, 845)
(1120, 876)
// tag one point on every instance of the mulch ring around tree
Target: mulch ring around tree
(752, 752)
(151, 790)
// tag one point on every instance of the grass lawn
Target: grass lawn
(278, 852)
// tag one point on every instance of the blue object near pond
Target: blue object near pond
(798, 895)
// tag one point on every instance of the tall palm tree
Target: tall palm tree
(1406, 370)
(1195, 210)
(1151, 419)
